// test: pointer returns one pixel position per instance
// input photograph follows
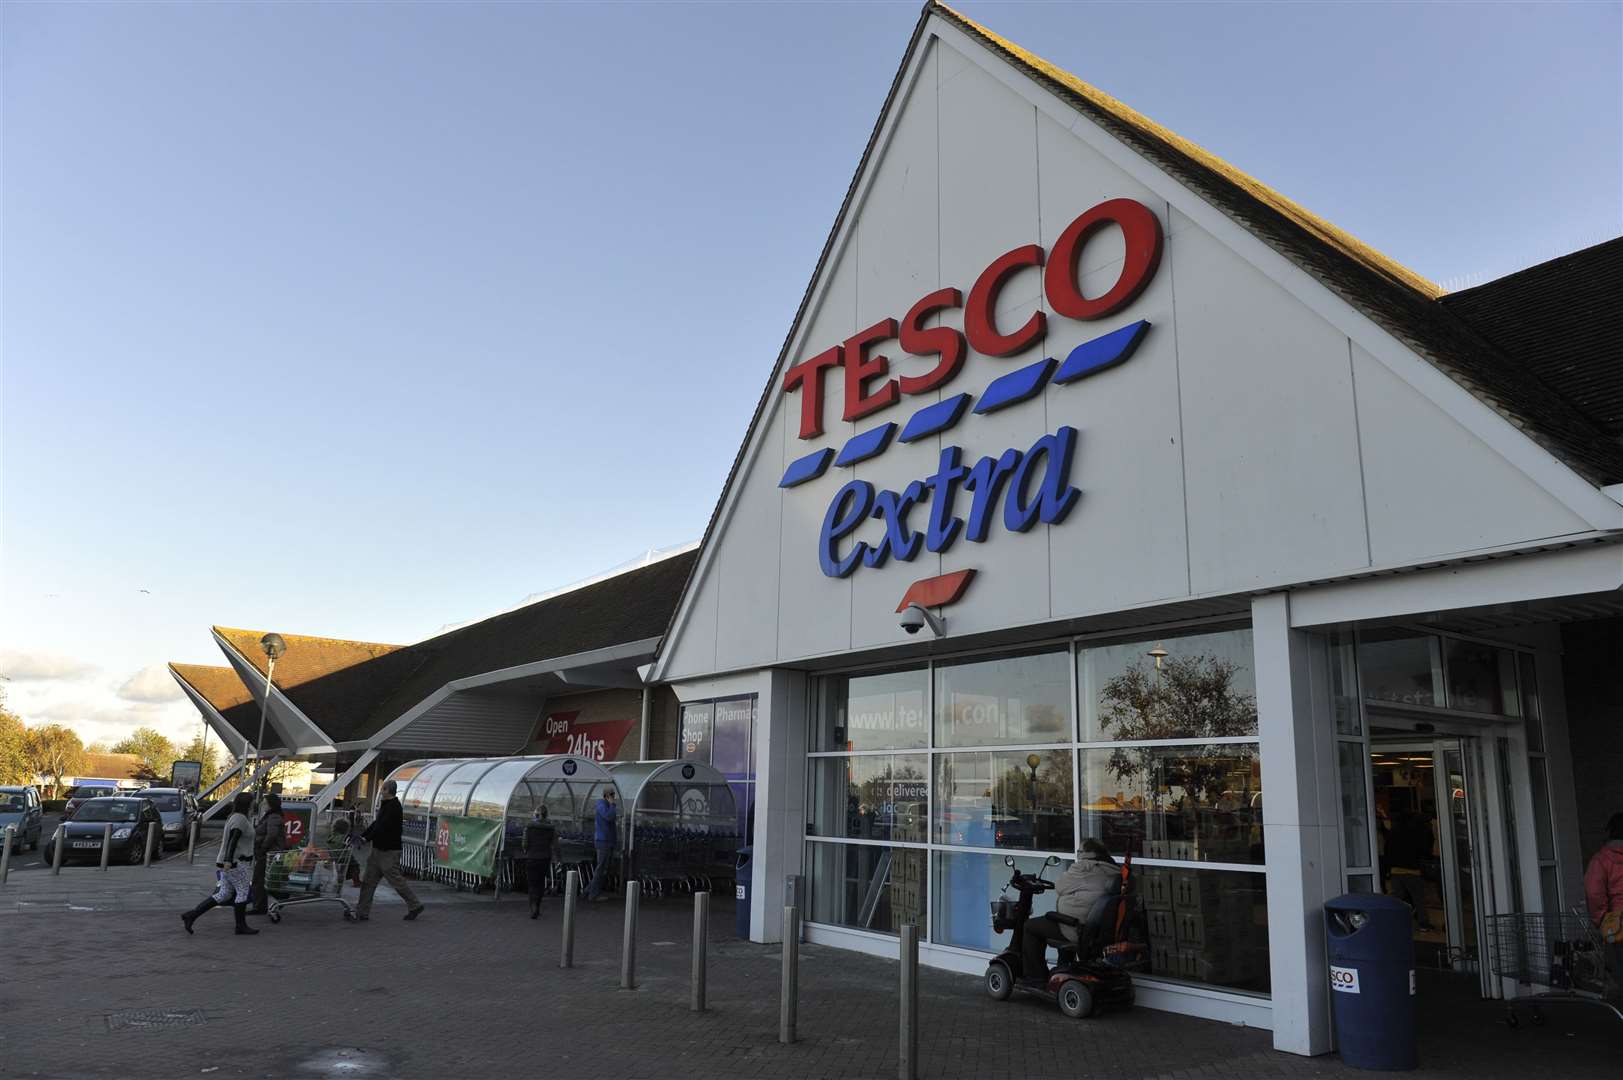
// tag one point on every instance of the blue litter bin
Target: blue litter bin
(741, 892)
(1372, 981)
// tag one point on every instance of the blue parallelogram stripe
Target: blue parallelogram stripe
(1102, 353)
(933, 418)
(809, 467)
(1014, 387)
(866, 445)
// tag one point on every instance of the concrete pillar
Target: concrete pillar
(1301, 821)
(780, 797)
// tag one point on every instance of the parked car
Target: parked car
(176, 807)
(129, 817)
(20, 807)
(81, 794)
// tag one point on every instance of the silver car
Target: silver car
(20, 807)
(176, 808)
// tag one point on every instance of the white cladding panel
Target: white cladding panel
(1231, 453)
(1274, 492)
(1434, 488)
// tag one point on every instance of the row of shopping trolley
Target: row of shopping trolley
(1560, 955)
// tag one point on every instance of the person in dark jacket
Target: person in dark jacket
(540, 852)
(384, 862)
(606, 839)
(270, 836)
(1408, 849)
(235, 864)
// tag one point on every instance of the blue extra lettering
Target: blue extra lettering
(848, 510)
(943, 529)
(899, 540)
(1055, 496)
(986, 480)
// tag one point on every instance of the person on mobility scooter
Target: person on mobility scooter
(1089, 916)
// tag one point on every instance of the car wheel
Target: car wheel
(999, 981)
(1075, 999)
(133, 854)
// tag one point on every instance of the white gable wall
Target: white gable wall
(1250, 443)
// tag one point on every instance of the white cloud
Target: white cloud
(151, 685)
(23, 666)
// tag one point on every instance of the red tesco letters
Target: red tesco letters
(864, 366)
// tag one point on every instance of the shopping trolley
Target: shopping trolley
(307, 875)
(1560, 951)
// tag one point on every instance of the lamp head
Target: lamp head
(273, 645)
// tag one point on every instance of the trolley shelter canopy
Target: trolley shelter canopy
(503, 788)
(678, 794)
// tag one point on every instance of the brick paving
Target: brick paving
(473, 989)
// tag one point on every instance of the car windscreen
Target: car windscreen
(109, 810)
(12, 804)
(162, 800)
(91, 792)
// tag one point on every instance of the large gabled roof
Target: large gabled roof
(1563, 320)
(351, 690)
(222, 688)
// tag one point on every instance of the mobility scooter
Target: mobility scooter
(1082, 980)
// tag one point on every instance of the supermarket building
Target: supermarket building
(1205, 500)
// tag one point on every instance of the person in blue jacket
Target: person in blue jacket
(606, 840)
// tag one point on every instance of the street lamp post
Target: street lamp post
(274, 646)
(1032, 761)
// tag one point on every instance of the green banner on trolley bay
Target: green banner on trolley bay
(469, 844)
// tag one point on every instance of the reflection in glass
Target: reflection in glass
(873, 712)
(735, 719)
(1354, 802)
(1542, 834)
(419, 796)
(1198, 687)
(1360, 883)
(966, 882)
(1005, 798)
(1205, 926)
(1343, 663)
(1481, 678)
(1011, 699)
(867, 887)
(870, 797)
(1175, 802)
(1401, 666)
(696, 724)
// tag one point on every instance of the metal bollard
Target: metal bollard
(152, 831)
(628, 946)
(908, 1054)
(701, 935)
(787, 997)
(191, 846)
(571, 887)
(5, 852)
(57, 843)
(106, 844)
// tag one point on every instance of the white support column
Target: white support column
(780, 797)
(1301, 822)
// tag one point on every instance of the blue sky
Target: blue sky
(363, 319)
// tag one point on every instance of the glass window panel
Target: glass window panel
(1401, 666)
(734, 721)
(1531, 712)
(966, 882)
(1543, 836)
(870, 797)
(495, 788)
(1549, 888)
(873, 712)
(452, 797)
(867, 887)
(1360, 883)
(1200, 803)
(697, 721)
(419, 797)
(1512, 843)
(1204, 687)
(1481, 678)
(1005, 700)
(1204, 926)
(1343, 662)
(1005, 798)
(1354, 803)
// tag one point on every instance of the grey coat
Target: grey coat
(1089, 879)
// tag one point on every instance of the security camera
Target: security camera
(915, 618)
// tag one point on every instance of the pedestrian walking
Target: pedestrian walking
(605, 839)
(270, 836)
(1603, 893)
(235, 865)
(384, 862)
(540, 852)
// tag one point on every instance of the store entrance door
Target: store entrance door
(1428, 799)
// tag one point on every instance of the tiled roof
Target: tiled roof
(222, 688)
(1563, 320)
(351, 690)
(1403, 303)
(112, 766)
